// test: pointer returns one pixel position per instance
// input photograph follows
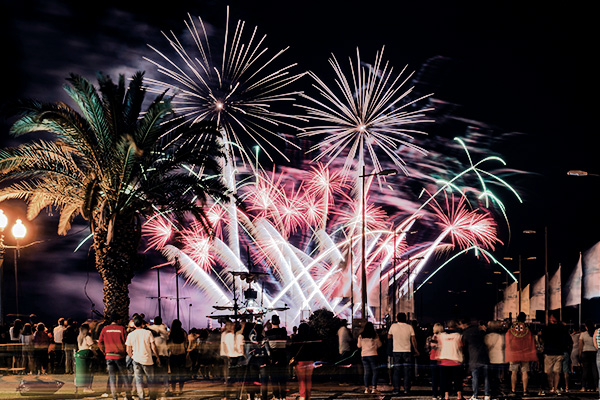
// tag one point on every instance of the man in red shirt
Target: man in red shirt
(112, 343)
(519, 351)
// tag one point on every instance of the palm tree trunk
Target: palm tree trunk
(116, 262)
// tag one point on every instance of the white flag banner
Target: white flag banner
(538, 295)
(525, 304)
(591, 272)
(554, 293)
(573, 286)
(511, 300)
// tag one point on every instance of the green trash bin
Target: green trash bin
(83, 374)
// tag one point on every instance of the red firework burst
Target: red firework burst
(466, 227)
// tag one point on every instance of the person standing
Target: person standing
(59, 354)
(369, 343)
(403, 337)
(70, 345)
(232, 352)
(520, 351)
(587, 355)
(304, 349)
(26, 340)
(556, 340)
(112, 344)
(277, 340)
(344, 337)
(161, 335)
(432, 346)
(177, 352)
(41, 343)
(84, 353)
(477, 356)
(193, 351)
(141, 348)
(495, 343)
(450, 360)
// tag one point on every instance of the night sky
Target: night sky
(517, 67)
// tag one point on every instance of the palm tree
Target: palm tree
(113, 165)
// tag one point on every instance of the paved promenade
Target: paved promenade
(213, 391)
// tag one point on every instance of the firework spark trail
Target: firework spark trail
(295, 264)
(237, 91)
(192, 271)
(370, 113)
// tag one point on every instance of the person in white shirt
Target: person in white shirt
(57, 334)
(368, 343)
(161, 335)
(404, 341)
(85, 342)
(232, 351)
(141, 348)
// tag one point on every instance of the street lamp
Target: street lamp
(18, 231)
(3, 223)
(363, 266)
(578, 172)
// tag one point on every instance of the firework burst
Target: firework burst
(237, 89)
(371, 112)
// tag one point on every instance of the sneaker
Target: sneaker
(367, 391)
(104, 395)
(487, 398)
(374, 391)
(473, 398)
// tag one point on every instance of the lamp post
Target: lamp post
(546, 278)
(363, 266)
(3, 223)
(18, 231)
(520, 272)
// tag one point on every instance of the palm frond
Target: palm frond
(90, 104)
(134, 98)
(67, 215)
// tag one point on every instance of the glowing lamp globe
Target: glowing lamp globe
(3, 220)
(19, 230)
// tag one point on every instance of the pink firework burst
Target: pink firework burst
(324, 184)
(466, 227)
(216, 216)
(375, 217)
(157, 231)
(265, 195)
(197, 246)
(315, 209)
(291, 211)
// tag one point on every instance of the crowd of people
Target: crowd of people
(492, 359)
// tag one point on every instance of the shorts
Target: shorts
(553, 364)
(520, 365)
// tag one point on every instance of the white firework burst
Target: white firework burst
(369, 110)
(236, 89)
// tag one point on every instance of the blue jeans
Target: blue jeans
(141, 370)
(370, 366)
(114, 366)
(404, 361)
(477, 374)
